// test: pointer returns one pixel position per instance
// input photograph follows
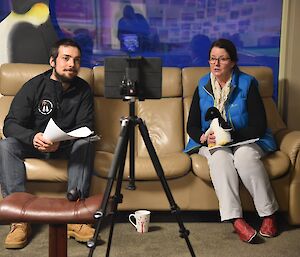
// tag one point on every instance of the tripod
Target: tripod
(117, 170)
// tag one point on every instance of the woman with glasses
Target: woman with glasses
(235, 94)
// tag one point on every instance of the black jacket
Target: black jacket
(42, 98)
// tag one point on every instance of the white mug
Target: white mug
(142, 219)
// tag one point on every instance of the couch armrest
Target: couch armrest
(289, 142)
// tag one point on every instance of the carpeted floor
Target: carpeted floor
(208, 237)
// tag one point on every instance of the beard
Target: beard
(62, 78)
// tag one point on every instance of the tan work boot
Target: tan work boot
(81, 232)
(17, 236)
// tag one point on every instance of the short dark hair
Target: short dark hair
(63, 42)
(228, 46)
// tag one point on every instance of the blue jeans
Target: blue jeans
(80, 155)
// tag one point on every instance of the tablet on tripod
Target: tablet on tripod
(138, 77)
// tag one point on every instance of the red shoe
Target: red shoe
(268, 227)
(244, 230)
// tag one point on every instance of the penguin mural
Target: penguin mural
(27, 33)
(4, 9)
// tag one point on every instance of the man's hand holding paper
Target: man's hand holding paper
(55, 134)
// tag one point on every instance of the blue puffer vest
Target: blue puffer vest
(236, 108)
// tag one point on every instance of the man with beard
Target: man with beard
(61, 95)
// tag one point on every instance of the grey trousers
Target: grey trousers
(229, 166)
(80, 155)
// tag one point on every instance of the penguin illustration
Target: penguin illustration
(4, 9)
(27, 33)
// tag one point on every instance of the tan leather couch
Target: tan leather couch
(187, 176)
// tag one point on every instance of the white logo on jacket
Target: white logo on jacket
(45, 107)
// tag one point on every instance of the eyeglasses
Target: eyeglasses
(222, 60)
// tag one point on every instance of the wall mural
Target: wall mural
(178, 31)
(26, 31)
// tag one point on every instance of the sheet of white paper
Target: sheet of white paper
(236, 144)
(55, 134)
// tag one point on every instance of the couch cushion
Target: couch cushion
(165, 132)
(277, 165)
(174, 165)
(98, 80)
(14, 75)
(46, 170)
(108, 113)
(264, 76)
(164, 119)
(171, 82)
(190, 78)
(5, 102)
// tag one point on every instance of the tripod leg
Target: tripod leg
(184, 233)
(131, 182)
(120, 155)
(118, 197)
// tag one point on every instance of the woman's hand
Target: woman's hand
(203, 139)
(42, 144)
